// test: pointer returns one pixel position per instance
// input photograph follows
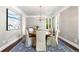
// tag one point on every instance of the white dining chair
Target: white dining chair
(40, 40)
(28, 42)
(52, 40)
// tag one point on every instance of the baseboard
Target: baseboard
(10, 45)
(69, 42)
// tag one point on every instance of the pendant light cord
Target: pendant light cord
(40, 13)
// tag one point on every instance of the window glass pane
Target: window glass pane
(13, 20)
(49, 22)
(46, 23)
(53, 25)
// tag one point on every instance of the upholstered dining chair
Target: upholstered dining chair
(52, 40)
(40, 40)
(28, 42)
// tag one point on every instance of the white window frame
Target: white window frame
(56, 18)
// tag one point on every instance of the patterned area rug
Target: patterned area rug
(20, 47)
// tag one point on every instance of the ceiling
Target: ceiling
(35, 10)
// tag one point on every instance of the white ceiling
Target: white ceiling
(35, 10)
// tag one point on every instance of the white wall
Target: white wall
(7, 36)
(31, 21)
(78, 23)
(24, 22)
(34, 21)
(69, 24)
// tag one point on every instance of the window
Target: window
(13, 20)
(48, 23)
(51, 22)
